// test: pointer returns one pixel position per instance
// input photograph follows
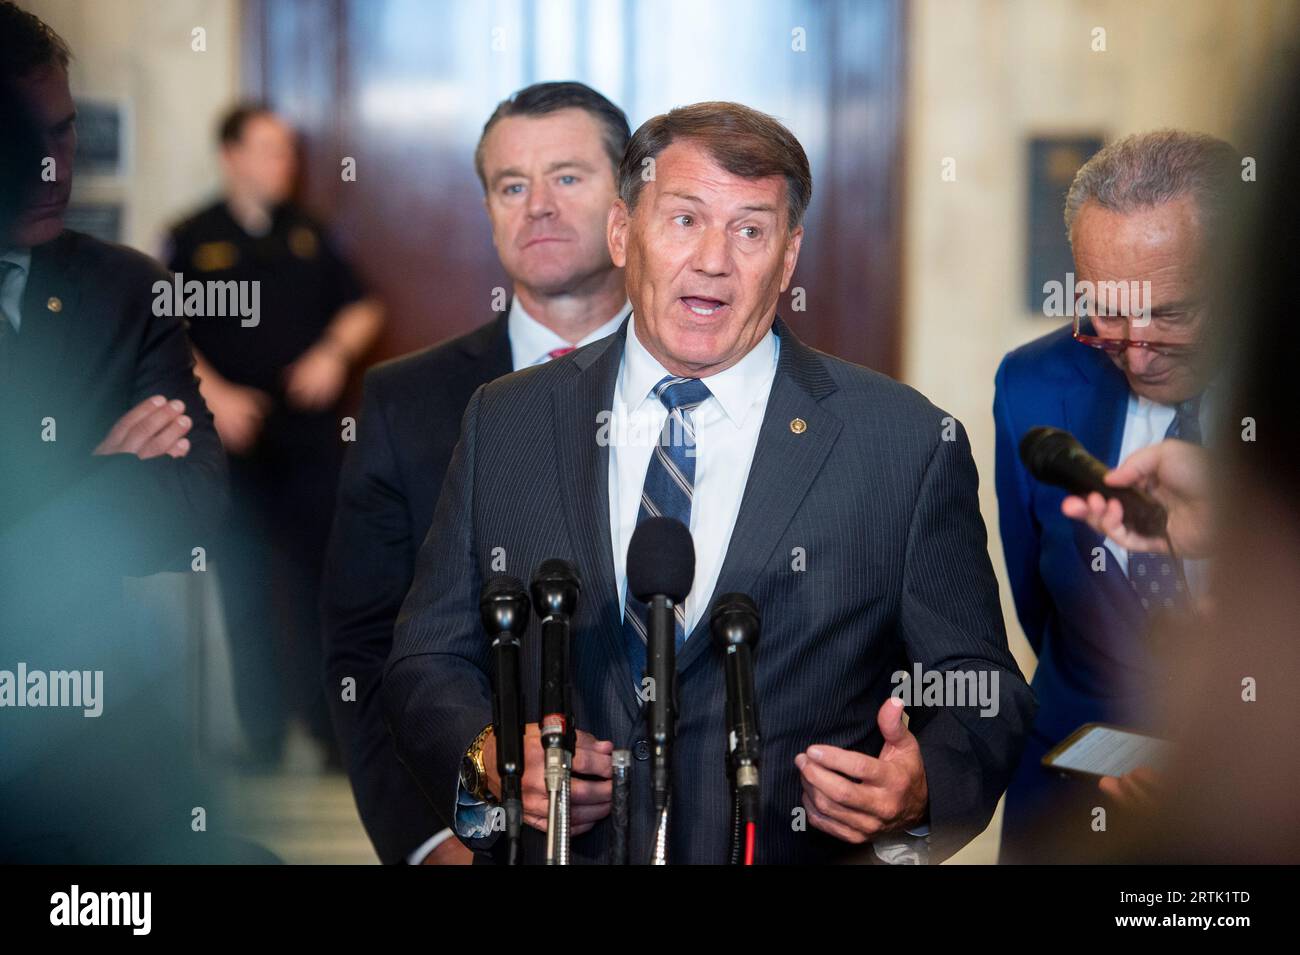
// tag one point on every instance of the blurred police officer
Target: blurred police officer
(273, 381)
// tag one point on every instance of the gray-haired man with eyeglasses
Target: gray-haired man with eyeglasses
(1130, 370)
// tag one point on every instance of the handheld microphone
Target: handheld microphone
(555, 589)
(503, 606)
(735, 624)
(660, 571)
(1056, 457)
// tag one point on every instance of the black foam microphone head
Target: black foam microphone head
(503, 605)
(734, 620)
(555, 588)
(660, 560)
(1040, 446)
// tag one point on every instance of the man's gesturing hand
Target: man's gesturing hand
(589, 799)
(854, 797)
(151, 429)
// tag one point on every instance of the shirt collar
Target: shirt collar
(531, 341)
(21, 257)
(737, 389)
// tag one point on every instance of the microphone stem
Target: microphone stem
(660, 856)
(620, 810)
(557, 808)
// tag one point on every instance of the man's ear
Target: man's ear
(616, 228)
(791, 257)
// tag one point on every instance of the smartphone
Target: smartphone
(1099, 749)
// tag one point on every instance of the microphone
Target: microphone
(503, 606)
(1056, 457)
(555, 589)
(660, 571)
(735, 624)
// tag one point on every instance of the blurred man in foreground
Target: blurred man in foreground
(110, 468)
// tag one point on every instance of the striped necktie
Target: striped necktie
(1158, 578)
(668, 490)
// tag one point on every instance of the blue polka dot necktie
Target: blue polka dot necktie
(668, 490)
(1157, 578)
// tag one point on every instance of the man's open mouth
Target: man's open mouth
(701, 305)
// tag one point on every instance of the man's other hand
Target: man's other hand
(856, 797)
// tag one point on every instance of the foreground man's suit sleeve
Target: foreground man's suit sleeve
(949, 599)
(873, 490)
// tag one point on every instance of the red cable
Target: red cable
(750, 836)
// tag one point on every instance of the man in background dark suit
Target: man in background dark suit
(547, 161)
(110, 468)
(798, 456)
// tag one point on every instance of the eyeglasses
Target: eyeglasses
(1086, 334)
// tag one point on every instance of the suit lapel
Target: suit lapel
(584, 481)
(50, 305)
(786, 460)
(1096, 405)
(489, 349)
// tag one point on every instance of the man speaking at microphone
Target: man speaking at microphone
(825, 491)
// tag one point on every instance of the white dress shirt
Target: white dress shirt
(531, 342)
(726, 434)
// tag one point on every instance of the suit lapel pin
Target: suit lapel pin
(798, 426)
(55, 304)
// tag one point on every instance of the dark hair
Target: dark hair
(27, 43)
(231, 128)
(741, 140)
(542, 98)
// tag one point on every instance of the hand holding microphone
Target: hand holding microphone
(1057, 458)
(1176, 475)
(589, 799)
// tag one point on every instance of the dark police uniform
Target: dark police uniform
(283, 491)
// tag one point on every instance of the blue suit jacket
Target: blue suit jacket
(885, 509)
(1086, 625)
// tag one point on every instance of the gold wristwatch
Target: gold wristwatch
(473, 773)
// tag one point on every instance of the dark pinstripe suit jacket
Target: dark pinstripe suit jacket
(410, 420)
(883, 507)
